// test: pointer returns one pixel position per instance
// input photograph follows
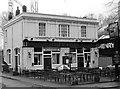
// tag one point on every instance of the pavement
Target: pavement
(104, 82)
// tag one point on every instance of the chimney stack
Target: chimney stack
(24, 8)
(10, 15)
(17, 11)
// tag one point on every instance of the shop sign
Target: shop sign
(106, 46)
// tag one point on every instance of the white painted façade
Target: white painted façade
(41, 41)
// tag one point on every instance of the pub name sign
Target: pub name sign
(106, 46)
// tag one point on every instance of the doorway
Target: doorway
(80, 63)
(17, 58)
(16, 63)
(47, 62)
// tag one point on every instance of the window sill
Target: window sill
(9, 64)
(37, 65)
(56, 64)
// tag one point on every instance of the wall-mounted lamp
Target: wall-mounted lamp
(53, 39)
(92, 40)
(29, 54)
(32, 64)
(47, 40)
(76, 40)
(31, 39)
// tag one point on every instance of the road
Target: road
(102, 85)
(16, 83)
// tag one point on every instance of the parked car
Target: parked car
(112, 67)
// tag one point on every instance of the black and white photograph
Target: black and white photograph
(59, 44)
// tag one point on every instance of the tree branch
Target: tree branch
(110, 3)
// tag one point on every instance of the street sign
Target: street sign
(116, 59)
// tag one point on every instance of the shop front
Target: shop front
(108, 48)
(48, 55)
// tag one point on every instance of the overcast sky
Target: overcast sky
(71, 7)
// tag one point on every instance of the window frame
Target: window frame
(55, 53)
(42, 29)
(83, 31)
(17, 53)
(9, 56)
(64, 30)
(74, 52)
(41, 60)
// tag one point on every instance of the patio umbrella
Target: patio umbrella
(62, 67)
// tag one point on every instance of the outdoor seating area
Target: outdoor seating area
(73, 76)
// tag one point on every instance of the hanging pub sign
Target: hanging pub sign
(113, 29)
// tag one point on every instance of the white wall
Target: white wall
(31, 29)
(74, 31)
(92, 31)
(27, 61)
(14, 40)
(94, 57)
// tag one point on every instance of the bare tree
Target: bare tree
(113, 14)
(3, 20)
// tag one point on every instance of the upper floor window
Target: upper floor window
(83, 31)
(64, 30)
(42, 29)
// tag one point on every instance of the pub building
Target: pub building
(41, 41)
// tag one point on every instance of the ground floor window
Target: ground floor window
(37, 59)
(87, 57)
(17, 55)
(56, 58)
(9, 56)
(19, 59)
(74, 58)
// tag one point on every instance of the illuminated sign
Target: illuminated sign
(106, 46)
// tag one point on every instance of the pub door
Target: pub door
(80, 63)
(47, 62)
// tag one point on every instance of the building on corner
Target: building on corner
(40, 41)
